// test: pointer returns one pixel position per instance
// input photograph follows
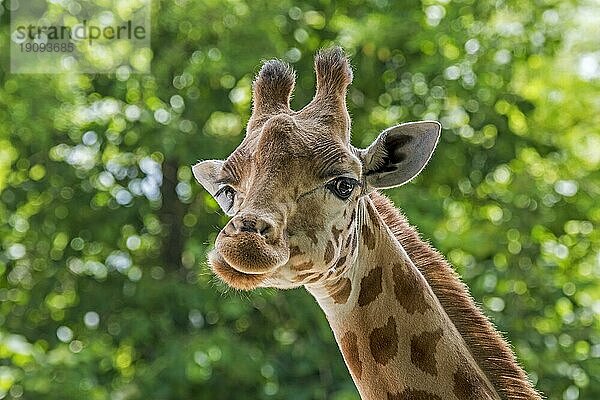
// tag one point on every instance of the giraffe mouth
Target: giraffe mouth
(250, 254)
(232, 276)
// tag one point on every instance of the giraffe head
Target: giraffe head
(293, 184)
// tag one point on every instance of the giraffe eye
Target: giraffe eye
(342, 187)
(225, 197)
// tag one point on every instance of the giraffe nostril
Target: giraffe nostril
(263, 227)
(249, 224)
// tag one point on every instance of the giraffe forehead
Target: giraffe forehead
(292, 148)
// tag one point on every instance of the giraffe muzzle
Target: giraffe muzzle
(252, 245)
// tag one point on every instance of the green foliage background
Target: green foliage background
(104, 288)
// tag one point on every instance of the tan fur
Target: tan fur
(488, 347)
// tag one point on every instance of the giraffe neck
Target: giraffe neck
(395, 336)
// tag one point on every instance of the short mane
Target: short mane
(485, 343)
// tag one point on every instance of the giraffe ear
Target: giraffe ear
(207, 174)
(399, 153)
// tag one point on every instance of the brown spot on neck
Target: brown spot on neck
(413, 394)
(336, 233)
(368, 236)
(468, 385)
(340, 290)
(349, 347)
(348, 240)
(422, 350)
(373, 217)
(383, 342)
(340, 263)
(370, 287)
(352, 218)
(354, 243)
(329, 252)
(409, 290)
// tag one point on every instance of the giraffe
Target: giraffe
(306, 211)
